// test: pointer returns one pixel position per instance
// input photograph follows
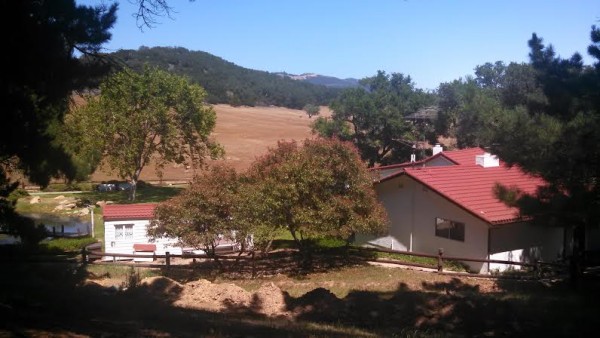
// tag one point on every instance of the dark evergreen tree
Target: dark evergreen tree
(43, 69)
(558, 141)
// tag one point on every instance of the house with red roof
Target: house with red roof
(125, 231)
(447, 201)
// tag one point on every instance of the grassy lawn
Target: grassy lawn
(48, 202)
(145, 193)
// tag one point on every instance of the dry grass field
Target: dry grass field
(244, 133)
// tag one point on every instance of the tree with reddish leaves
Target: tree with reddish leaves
(202, 215)
(320, 188)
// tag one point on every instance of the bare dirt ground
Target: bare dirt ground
(332, 300)
(244, 133)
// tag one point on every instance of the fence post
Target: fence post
(168, 259)
(440, 261)
(84, 256)
(253, 266)
(537, 273)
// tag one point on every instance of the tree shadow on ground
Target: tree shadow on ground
(452, 308)
(45, 299)
(54, 299)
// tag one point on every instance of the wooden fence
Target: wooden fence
(536, 267)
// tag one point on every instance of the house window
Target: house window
(449, 229)
(123, 232)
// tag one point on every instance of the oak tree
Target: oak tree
(376, 116)
(154, 115)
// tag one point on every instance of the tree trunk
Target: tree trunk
(576, 261)
(267, 248)
(133, 189)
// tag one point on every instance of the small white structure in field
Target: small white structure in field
(125, 231)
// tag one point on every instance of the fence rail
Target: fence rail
(441, 255)
(440, 258)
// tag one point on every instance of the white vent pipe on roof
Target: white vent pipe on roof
(487, 160)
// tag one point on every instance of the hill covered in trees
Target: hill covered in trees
(327, 81)
(226, 82)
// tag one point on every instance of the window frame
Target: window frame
(455, 231)
(123, 232)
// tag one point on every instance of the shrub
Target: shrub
(16, 194)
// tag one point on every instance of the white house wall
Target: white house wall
(412, 210)
(524, 242)
(140, 236)
(428, 206)
(398, 237)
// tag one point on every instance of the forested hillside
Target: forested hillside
(228, 83)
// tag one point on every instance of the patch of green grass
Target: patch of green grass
(119, 272)
(329, 242)
(75, 186)
(284, 240)
(65, 245)
(448, 265)
(98, 224)
(145, 193)
(46, 205)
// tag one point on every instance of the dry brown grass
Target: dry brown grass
(244, 133)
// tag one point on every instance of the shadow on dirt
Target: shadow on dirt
(45, 299)
(54, 299)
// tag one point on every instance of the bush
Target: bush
(64, 245)
(16, 194)
(72, 186)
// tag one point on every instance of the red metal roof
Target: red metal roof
(471, 187)
(462, 156)
(114, 212)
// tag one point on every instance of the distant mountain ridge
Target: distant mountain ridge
(226, 82)
(323, 80)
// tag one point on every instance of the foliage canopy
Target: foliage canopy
(137, 118)
(373, 117)
(37, 87)
(202, 215)
(559, 140)
(319, 189)
(226, 82)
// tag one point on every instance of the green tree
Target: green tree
(319, 189)
(311, 110)
(559, 142)
(202, 215)
(36, 88)
(468, 112)
(376, 114)
(140, 117)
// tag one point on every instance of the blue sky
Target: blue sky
(432, 41)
